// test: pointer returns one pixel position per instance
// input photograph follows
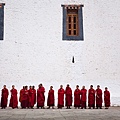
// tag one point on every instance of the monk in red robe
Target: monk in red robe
(77, 101)
(83, 97)
(91, 97)
(21, 95)
(50, 100)
(106, 98)
(61, 93)
(13, 99)
(34, 91)
(40, 96)
(98, 98)
(25, 98)
(4, 97)
(68, 95)
(31, 97)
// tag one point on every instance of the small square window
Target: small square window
(72, 22)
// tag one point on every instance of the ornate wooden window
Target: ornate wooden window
(72, 22)
(1, 20)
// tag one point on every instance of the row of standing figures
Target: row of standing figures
(28, 98)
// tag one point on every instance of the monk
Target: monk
(98, 97)
(106, 98)
(61, 97)
(40, 96)
(21, 95)
(50, 100)
(83, 97)
(25, 98)
(77, 101)
(4, 97)
(31, 97)
(68, 95)
(34, 94)
(13, 99)
(91, 97)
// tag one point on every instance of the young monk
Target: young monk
(61, 97)
(21, 96)
(98, 97)
(83, 97)
(34, 91)
(40, 96)
(25, 98)
(13, 99)
(50, 100)
(77, 101)
(91, 97)
(106, 98)
(31, 97)
(4, 97)
(68, 96)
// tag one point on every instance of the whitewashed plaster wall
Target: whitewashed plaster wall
(33, 51)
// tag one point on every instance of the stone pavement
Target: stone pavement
(112, 113)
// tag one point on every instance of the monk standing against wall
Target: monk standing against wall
(4, 97)
(61, 93)
(68, 96)
(13, 99)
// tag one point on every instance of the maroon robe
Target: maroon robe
(4, 97)
(77, 101)
(68, 93)
(50, 100)
(31, 98)
(25, 99)
(40, 97)
(13, 99)
(83, 98)
(61, 97)
(34, 91)
(107, 98)
(91, 98)
(98, 98)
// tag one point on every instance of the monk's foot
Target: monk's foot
(89, 107)
(96, 107)
(53, 108)
(1, 107)
(100, 107)
(48, 108)
(81, 107)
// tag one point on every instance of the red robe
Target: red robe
(34, 96)
(40, 97)
(25, 99)
(4, 97)
(91, 98)
(107, 98)
(98, 98)
(50, 100)
(61, 97)
(77, 101)
(68, 93)
(83, 97)
(31, 98)
(13, 99)
(21, 95)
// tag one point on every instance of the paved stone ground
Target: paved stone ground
(112, 113)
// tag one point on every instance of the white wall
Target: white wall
(33, 51)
